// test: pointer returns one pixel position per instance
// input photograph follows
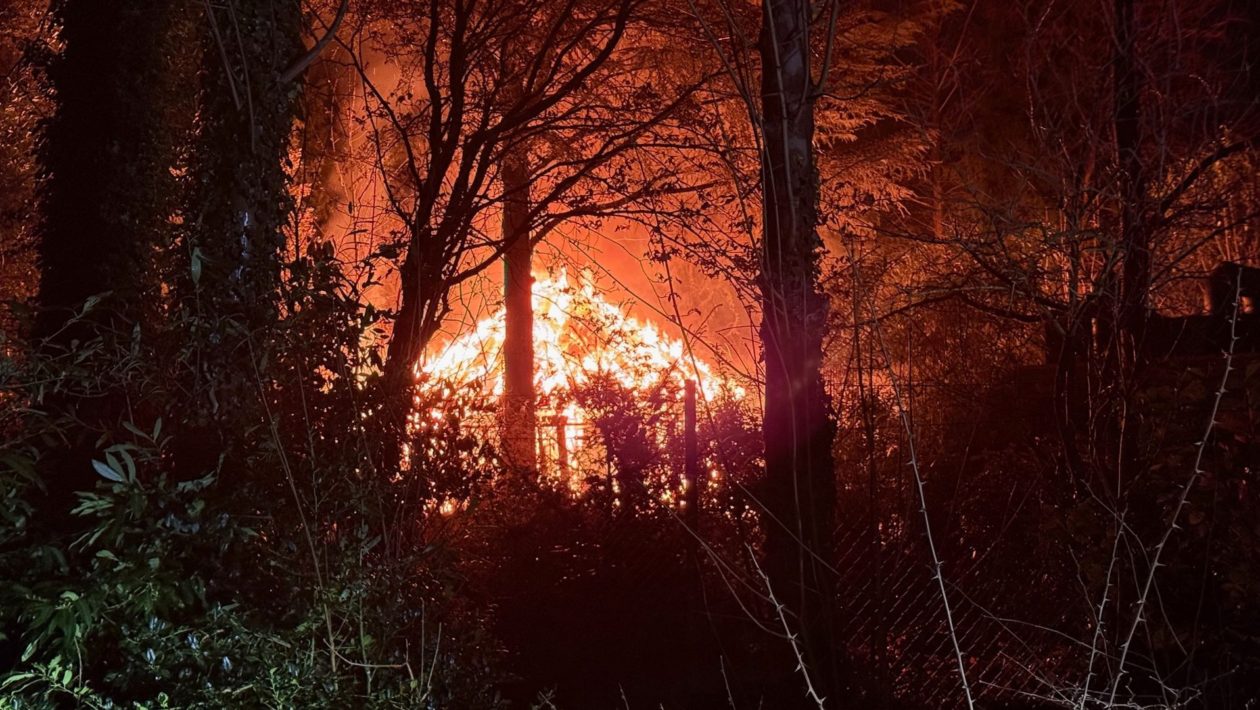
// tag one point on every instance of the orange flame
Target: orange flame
(577, 334)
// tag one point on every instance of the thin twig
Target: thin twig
(793, 639)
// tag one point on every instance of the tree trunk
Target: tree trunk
(247, 117)
(108, 198)
(421, 312)
(1125, 354)
(1134, 235)
(107, 158)
(798, 426)
(229, 284)
(519, 414)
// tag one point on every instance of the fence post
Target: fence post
(562, 445)
(691, 455)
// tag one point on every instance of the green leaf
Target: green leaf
(130, 463)
(16, 678)
(22, 465)
(106, 471)
(112, 461)
(196, 265)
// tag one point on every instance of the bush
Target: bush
(234, 537)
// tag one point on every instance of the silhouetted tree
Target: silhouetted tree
(800, 490)
(108, 154)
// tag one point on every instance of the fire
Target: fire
(578, 334)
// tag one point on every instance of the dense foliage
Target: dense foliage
(284, 571)
(979, 280)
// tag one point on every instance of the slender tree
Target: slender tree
(477, 111)
(519, 411)
(492, 124)
(798, 426)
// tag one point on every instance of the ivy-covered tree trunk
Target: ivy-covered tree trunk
(798, 428)
(240, 196)
(123, 112)
(239, 207)
(108, 197)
